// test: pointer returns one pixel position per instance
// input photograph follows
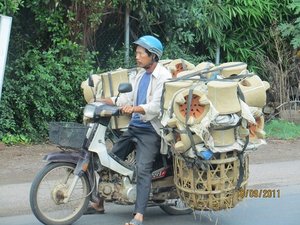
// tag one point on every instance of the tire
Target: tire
(46, 195)
(176, 207)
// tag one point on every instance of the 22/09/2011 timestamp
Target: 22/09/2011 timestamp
(259, 193)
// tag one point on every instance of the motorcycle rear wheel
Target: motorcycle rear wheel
(176, 207)
(48, 191)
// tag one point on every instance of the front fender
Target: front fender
(64, 156)
(76, 158)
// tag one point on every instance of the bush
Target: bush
(282, 129)
(44, 86)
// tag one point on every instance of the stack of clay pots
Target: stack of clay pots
(105, 86)
(232, 93)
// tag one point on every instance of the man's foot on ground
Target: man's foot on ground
(134, 222)
(94, 209)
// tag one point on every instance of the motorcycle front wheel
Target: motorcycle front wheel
(49, 190)
(176, 207)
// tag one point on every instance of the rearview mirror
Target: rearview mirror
(124, 88)
(91, 81)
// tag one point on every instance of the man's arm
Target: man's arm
(128, 109)
(107, 101)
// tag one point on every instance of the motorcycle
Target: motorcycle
(85, 170)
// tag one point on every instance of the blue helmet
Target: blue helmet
(152, 44)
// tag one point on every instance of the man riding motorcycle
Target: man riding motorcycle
(143, 104)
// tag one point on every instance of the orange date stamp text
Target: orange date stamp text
(259, 193)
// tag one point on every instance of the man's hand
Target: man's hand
(128, 109)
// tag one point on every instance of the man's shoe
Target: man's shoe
(91, 210)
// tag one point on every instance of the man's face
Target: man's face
(141, 57)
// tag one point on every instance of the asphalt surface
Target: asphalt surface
(260, 211)
(281, 206)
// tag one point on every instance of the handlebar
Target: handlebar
(103, 110)
(109, 110)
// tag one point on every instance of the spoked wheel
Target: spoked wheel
(176, 207)
(49, 191)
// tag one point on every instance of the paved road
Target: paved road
(283, 210)
(275, 211)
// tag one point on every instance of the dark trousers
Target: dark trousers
(147, 145)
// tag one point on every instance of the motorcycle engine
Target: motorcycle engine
(116, 187)
(106, 190)
(128, 190)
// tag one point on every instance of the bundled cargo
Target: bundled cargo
(178, 65)
(111, 80)
(211, 122)
(106, 85)
(199, 103)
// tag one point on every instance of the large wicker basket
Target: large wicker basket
(212, 189)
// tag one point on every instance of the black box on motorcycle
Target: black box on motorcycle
(67, 134)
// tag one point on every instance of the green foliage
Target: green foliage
(51, 22)
(292, 29)
(116, 60)
(42, 82)
(249, 33)
(209, 19)
(239, 27)
(174, 51)
(76, 19)
(9, 7)
(42, 87)
(282, 129)
(10, 139)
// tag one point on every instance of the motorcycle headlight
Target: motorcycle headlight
(89, 109)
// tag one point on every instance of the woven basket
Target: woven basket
(214, 189)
